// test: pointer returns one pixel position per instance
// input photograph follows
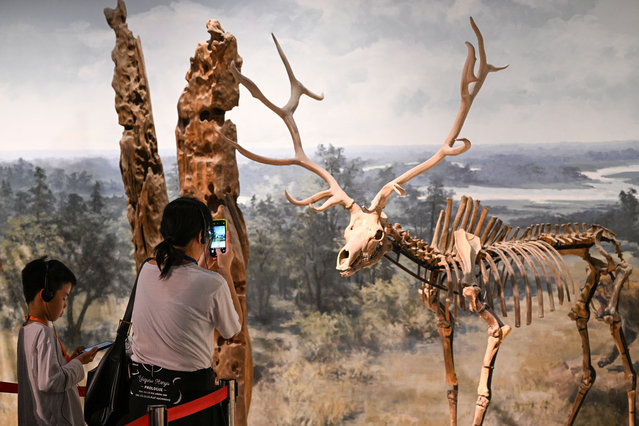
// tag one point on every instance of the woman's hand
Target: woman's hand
(224, 260)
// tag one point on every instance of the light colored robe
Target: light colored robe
(47, 383)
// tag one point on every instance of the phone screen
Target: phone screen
(218, 236)
(100, 346)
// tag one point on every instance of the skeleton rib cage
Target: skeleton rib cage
(471, 276)
(507, 258)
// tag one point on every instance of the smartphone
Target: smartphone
(218, 236)
(100, 346)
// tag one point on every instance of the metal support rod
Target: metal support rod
(157, 415)
(414, 275)
(232, 396)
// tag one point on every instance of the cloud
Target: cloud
(54, 82)
(72, 120)
(390, 70)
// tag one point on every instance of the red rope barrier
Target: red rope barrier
(173, 413)
(188, 408)
(7, 387)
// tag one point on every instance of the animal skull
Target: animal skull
(366, 241)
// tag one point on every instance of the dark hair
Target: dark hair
(182, 220)
(33, 277)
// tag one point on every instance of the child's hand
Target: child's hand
(77, 351)
(87, 357)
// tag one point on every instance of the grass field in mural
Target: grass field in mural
(536, 377)
(362, 350)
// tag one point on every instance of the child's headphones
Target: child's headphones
(47, 294)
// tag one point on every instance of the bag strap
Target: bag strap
(125, 322)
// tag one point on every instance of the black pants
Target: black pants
(153, 385)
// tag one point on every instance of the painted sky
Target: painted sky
(389, 70)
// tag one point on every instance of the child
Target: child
(47, 376)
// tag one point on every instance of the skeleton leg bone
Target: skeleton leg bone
(629, 372)
(446, 329)
(446, 333)
(622, 273)
(630, 335)
(497, 332)
(580, 313)
(612, 317)
(610, 281)
(467, 247)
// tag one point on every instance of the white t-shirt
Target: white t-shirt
(174, 318)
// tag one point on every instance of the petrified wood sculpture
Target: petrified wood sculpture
(208, 171)
(460, 268)
(140, 164)
(207, 167)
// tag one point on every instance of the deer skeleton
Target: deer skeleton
(460, 265)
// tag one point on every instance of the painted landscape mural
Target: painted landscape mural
(349, 349)
(386, 367)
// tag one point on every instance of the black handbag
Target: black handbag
(107, 391)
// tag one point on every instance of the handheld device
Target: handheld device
(100, 346)
(218, 237)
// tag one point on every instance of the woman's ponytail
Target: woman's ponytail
(167, 255)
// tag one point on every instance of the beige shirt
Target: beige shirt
(47, 383)
(174, 318)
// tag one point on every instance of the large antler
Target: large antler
(467, 96)
(334, 194)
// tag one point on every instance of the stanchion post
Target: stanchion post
(232, 392)
(157, 415)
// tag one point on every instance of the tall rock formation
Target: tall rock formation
(207, 166)
(140, 164)
(208, 171)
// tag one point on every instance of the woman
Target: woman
(178, 304)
